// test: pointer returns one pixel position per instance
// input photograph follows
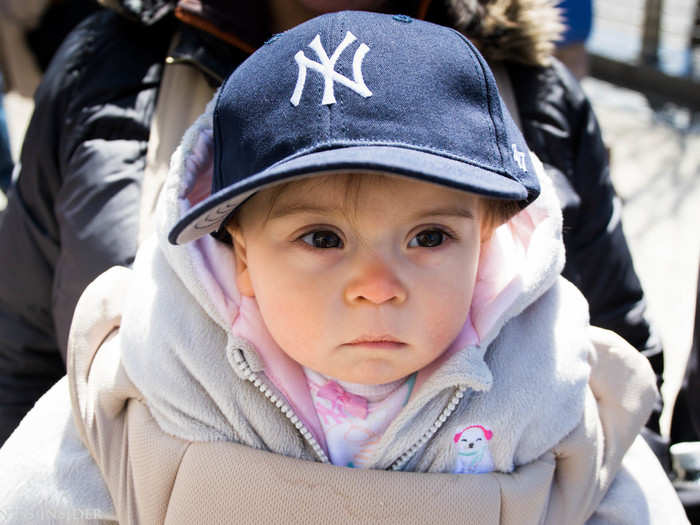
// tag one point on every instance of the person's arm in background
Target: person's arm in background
(685, 421)
(74, 210)
(560, 126)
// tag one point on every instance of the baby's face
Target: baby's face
(365, 283)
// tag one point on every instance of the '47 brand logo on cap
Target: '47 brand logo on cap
(326, 67)
(519, 157)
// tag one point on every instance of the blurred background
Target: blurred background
(644, 83)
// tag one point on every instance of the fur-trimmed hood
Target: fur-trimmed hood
(523, 31)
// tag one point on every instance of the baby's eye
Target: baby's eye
(428, 239)
(323, 239)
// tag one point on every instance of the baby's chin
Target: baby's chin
(371, 372)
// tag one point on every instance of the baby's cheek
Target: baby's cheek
(440, 327)
(286, 319)
(293, 320)
(446, 308)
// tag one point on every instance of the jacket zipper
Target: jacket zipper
(288, 412)
(280, 403)
(446, 413)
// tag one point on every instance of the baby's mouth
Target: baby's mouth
(377, 341)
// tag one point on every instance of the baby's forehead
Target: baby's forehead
(350, 190)
(334, 183)
(356, 196)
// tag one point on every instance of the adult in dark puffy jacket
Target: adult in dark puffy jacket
(685, 424)
(685, 421)
(75, 211)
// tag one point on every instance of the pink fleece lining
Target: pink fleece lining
(199, 168)
(218, 275)
(500, 264)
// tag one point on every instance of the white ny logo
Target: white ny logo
(327, 68)
(519, 157)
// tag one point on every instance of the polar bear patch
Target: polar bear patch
(473, 456)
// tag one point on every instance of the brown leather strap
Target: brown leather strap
(204, 24)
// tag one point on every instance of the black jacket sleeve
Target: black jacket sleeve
(561, 128)
(685, 420)
(74, 210)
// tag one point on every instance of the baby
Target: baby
(361, 292)
(361, 210)
(380, 290)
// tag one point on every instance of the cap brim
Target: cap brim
(207, 216)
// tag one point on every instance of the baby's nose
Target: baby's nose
(375, 282)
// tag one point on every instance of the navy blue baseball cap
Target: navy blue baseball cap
(360, 91)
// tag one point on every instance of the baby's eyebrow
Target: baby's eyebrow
(450, 211)
(292, 208)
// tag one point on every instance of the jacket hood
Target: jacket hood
(191, 290)
(523, 31)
